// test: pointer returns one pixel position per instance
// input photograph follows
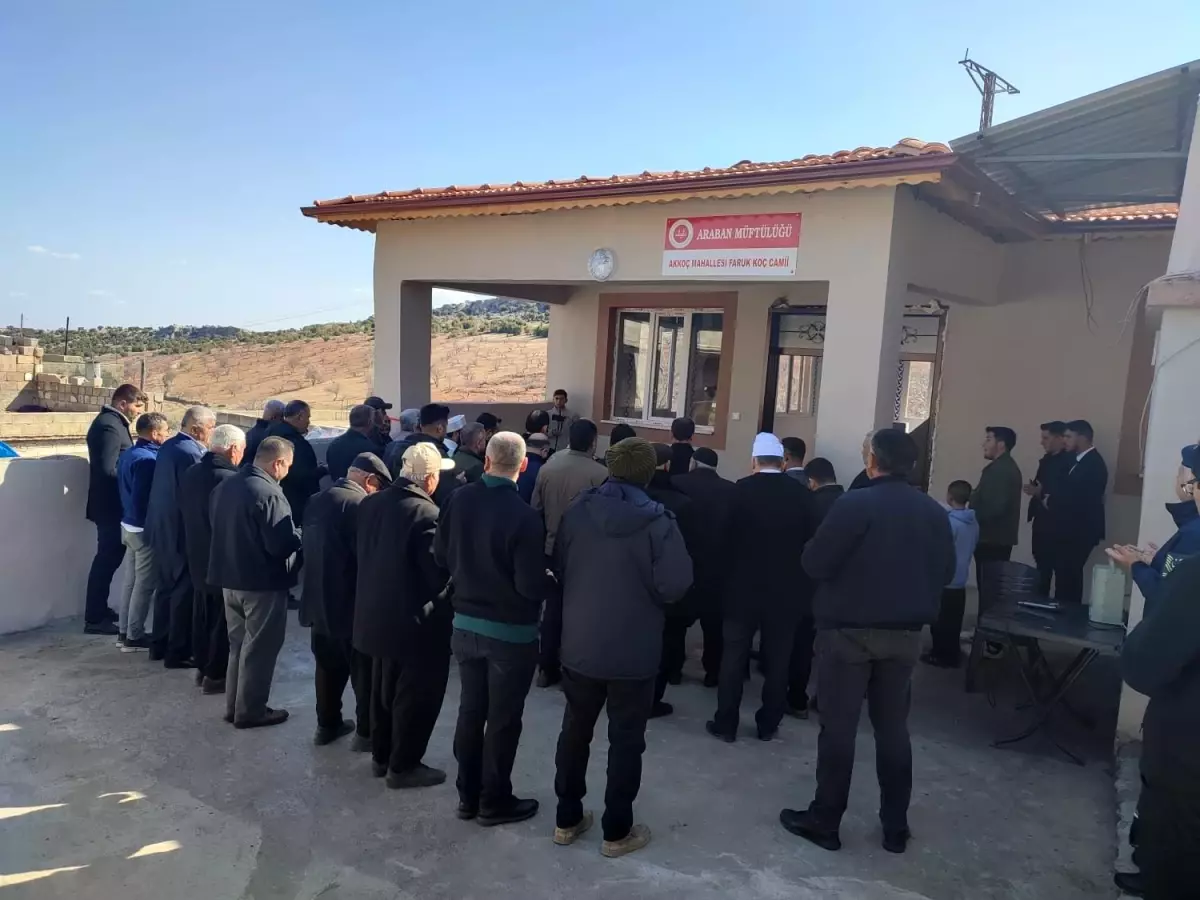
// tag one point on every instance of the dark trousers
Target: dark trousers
(629, 705)
(711, 623)
(495, 676)
(946, 631)
(172, 635)
(110, 551)
(878, 664)
(800, 668)
(674, 652)
(337, 662)
(777, 622)
(1044, 549)
(406, 698)
(1168, 852)
(990, 553)
(1070, 560)
(210, 634)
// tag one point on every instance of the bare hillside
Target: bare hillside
(336, 371)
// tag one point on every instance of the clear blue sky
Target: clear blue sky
(154, 154)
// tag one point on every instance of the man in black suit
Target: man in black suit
(1051, 471)
(1077, 512)
(822, 482)
(107, 437)
(772, 517)
(711, 495)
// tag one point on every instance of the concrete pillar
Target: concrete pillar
(403, 325)
(859, 368)
(1176, 299)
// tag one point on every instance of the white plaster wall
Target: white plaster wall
(47, 544)
(1033, 358)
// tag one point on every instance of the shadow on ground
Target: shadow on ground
(218, 814)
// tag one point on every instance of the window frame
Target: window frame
(679, 369)
(614, 301)
(789, 355)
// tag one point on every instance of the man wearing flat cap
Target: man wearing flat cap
(327, 603)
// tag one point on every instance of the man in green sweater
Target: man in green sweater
(997, 499)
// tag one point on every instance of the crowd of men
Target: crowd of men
(521, 554)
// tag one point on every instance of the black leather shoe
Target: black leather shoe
(106, 627)
(711, 679)
(466, 811)
(767, 734)
(378, 769)
(675, 678)
(516, 810)
(548, 678)
(360, 744)
(711, 728)
(1131, 883)
(418, 776)
(661, 709)
(212, 686)
(800, 822)
(269, 718)
(178, 664)
(329, 735)
(896, 841)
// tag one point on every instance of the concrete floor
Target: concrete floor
(220, 814)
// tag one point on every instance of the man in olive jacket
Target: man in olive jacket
(997, 499)
(622, 562)
(254, 545)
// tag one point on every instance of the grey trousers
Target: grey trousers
(257, 623)
(140, 581)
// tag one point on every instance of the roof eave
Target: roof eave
(364, 211)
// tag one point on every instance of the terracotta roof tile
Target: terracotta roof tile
(906, 148)
(1148, 212)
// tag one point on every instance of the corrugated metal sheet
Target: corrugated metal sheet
(1151, 115)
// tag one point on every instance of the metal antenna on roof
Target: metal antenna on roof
(989, 83)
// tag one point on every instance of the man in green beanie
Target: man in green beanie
(620, 560)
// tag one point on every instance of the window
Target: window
(666, 366)
(799, 381)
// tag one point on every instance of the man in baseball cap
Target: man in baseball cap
(401, 620)
(383, 423)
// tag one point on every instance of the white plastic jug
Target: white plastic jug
(1108, 594)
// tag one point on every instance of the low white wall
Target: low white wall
(46, 544)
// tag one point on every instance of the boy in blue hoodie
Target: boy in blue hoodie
(946, 651)
(135, 472)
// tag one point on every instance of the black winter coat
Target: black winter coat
(254, 437)
(330, 572)
(343, 450)
(662, 489)
(1161, 659)
(255, 539)
(621, 560)
(195, 502)
(304, 477)
(771, 518)
(494, 546)
(881, 558)
(823, 499)
(712, 502)
(397, 574)
(107, 438)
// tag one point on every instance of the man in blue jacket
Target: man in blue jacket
(880, 559)
(135, 473)
(1151, 566)
(172, 638)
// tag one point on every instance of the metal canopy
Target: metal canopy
(1123, 146)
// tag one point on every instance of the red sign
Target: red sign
(732, 246)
